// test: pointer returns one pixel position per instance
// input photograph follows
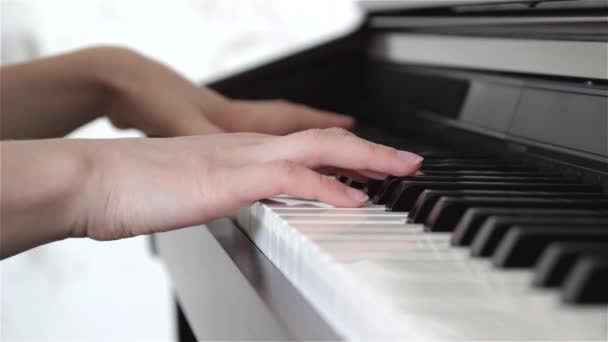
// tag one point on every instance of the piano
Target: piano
(503, 235)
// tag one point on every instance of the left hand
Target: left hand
(147, 95)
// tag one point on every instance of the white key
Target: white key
(374, 276)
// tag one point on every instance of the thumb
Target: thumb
(314, 118)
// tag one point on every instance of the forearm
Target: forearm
(51, 97)
(39, 183)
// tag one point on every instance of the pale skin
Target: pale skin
(53, 188)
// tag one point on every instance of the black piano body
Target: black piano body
(519, 80)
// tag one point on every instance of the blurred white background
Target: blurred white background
(85, 290)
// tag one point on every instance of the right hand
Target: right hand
(141, 186)
(118, 188)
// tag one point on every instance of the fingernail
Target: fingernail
(357, 195)
(409, 157)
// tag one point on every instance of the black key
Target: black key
(474, 218)
(465, 161)
(438, 153)
(496, 227)
(587, 283)
(407, 192)
(522, 245)
(350, 182)
(385, 189)
(357, 185)
(481, 166)
(488, 173)
(449, 210)
(416, 147)
(427, 199)
(343, 179)
(389, 187)
(477, 164)
(558, 259)
(373, 186)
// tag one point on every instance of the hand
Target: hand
(141, 186)
(135, 92)
(111, 189)
(151, 97)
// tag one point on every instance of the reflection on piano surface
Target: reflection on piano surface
(503, 235)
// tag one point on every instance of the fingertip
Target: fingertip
(333, 119)
(347, 197)
(414, 169)
(356, 195)
(341, 195)
(344, 121)
(412, 162)
(409, 157)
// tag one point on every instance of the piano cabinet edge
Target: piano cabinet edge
(245, 298)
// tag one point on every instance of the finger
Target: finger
(176, 119)
(354, 175)
(192, 123)
(284, 177)
(320, 148)
(373, 175)
(340, 131)
(358, 175)
(314, 118)
(120, 122)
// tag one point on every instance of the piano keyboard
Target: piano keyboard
(471, 249)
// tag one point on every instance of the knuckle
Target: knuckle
(372, 149)
(376, 153)
(283, 173)
(314, 134)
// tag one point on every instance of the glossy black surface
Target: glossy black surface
(588, 281)
(495, 228)
(559, 258)
(407, 192)
(474, 218)
(449, 210)
(425, 202)
(523, 244)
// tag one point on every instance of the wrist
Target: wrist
(41, 185)
(114, 72)
(110, 64)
